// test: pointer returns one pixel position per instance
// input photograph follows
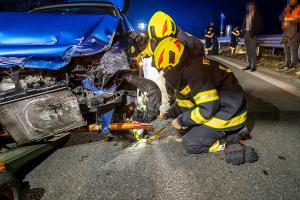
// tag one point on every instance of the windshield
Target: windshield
(92, 10)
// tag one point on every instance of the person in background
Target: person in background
(235, 35)
(211, 41)
(291, 34)
(251, 28)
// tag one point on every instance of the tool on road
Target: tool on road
(154, 135)
(117, 127)
(123, 126)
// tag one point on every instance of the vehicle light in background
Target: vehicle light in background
(142, 27)
(228, 30)
(222, 24)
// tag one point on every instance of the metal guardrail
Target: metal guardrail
(271, 41)
(264, 41)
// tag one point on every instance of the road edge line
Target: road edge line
(280, 84)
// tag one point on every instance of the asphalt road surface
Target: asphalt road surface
(91, 169)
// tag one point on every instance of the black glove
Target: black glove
(140, 39)
(237, 154)
(145, 117)
(250, 156)
(234, 154)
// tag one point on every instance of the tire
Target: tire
(10, 187)
(152, 95)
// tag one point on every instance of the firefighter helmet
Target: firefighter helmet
(168, 53)
(161, 25)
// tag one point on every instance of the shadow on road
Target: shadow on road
(262, 110)
(32, 193)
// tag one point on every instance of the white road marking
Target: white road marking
(280, 84)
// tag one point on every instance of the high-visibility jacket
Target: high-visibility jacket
(293, 15)
(235, 34)
(210, 36)
(207, 93)
(236, 31)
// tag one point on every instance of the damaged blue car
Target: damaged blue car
(63, 66)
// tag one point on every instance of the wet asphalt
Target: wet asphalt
(87, 168)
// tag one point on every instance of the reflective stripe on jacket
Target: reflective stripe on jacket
(208, 94)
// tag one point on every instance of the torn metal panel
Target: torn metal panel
(50, 40)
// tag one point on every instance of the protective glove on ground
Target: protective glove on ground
(237, 154)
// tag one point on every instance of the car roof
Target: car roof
(121, 4)
(107, 4)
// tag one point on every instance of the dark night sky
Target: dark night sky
(191, 15)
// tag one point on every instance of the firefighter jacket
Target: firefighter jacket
(235, 34)
(210, 36)
(207, 93)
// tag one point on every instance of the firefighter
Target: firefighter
(235, 35)
(160, 26)
(211, 40)
(209, 102)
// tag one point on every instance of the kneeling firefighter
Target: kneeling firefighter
(209, 102)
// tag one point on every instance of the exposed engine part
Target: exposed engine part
(113, 61)
(36, 117)
(90, 102)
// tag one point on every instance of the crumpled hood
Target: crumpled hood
(48, 41)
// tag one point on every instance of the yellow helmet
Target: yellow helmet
(161, 25)
(168, 53)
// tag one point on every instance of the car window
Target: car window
(92, 10)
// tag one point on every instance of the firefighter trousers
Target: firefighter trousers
(250, 44)
(291, 51)
(200, 138)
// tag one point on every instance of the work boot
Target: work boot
(283, 68)
(236, 138)
(247, 68)
(253, 69)
(244, 133)
(292, 68)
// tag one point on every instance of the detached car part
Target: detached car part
(39, 116)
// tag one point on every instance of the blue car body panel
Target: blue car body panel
(48, 41)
